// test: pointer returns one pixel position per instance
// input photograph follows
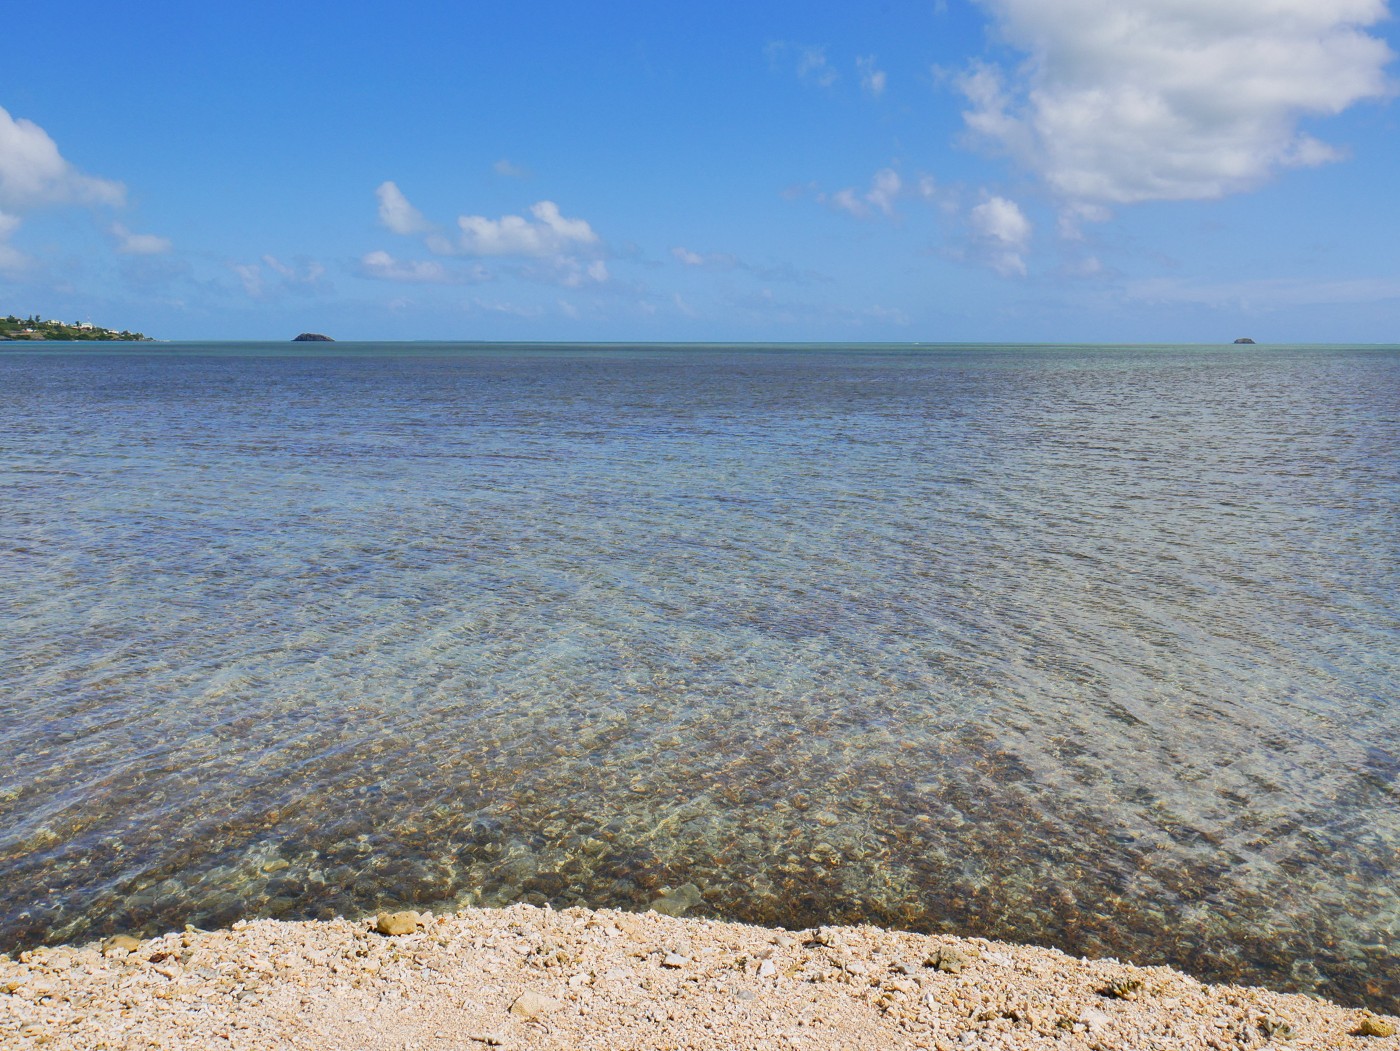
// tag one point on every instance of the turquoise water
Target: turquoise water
(1094, 647)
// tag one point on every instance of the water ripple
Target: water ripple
(1094, 647)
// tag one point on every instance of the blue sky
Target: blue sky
(1040, 170)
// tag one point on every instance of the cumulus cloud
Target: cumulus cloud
(397, 214)
(872, 78)
(1123, 101)
(129, 243)
(1004, 234)
(548, 234)
(33, 173)
(561, 249)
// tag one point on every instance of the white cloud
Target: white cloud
(1137, 100)
(872, 79)
(885, 188)
(1004, 232)
(34, 173)
(129, 243)
(397, 214)
(548, 234)
(568, 247)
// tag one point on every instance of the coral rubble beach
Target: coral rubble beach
(536, 978)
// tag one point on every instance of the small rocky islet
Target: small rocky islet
(536, 977)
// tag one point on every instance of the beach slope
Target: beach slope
(524, 977)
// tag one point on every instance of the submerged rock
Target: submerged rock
(677, 902)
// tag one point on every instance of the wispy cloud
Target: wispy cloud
(886, 187)
(382, 266)
(726, 261)
(872, 78)
(270, 277)
(706, 260)
(508, 170)
(129, 243)
(807, 61)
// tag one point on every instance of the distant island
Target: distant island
(312, 337)
(15, 328)
(1244, 339)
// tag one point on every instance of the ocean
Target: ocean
(1094, 647)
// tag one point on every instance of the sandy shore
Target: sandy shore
(534, 978)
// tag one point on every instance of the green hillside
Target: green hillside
(32, 328)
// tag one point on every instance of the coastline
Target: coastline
(577, 978)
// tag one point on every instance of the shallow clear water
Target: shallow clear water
(1090, 647)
